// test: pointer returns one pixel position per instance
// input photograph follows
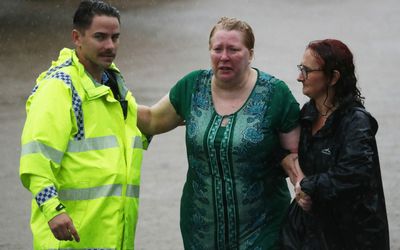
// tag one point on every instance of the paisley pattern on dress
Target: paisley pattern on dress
(227, 201)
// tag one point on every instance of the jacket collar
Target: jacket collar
(92, 89)
(309, 114)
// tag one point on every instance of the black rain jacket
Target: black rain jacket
(343, 178)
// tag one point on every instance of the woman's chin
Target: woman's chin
(226, 76)
(305, 92)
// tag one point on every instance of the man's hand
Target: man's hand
(62, 228)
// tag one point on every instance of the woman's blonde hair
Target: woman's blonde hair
(228, 23)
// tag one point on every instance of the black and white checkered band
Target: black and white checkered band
(76, 100)
(76, 103)
(34, 89)
(52, 70)
(46, 194)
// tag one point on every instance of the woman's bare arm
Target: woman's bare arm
(290, 141)
(159, 118)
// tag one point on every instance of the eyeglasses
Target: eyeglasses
(304, 70)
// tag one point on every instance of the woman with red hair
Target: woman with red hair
(339, 200)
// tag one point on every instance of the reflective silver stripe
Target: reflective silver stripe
(37, 147)
(96, 143)
(132, 191)
(90, 193)
(137, 142)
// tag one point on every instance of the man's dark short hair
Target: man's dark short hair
(87, 9)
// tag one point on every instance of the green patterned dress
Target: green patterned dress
(235, 195)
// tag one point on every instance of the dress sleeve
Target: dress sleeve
(181, 93)
(285, 107)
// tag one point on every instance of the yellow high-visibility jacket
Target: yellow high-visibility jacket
(80, 152)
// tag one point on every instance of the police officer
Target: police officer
(81, 150)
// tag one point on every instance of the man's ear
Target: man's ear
(76, 37)
(335, 77)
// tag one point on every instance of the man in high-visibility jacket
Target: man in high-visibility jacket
(81, 149)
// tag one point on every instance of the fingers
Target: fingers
(297, 189)
(61, 232)
(63, 228)
(304, 201)
(305, 205)
(73, 231)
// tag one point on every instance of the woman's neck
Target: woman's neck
(235, 85)
(230, 97)
(325, 103)
(325, 108)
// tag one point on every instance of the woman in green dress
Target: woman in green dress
(238, 121)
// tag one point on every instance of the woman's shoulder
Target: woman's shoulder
(363, 116)
(198, 73)
(264, 76)
(356, 117)
(267, 79)
(190, 79)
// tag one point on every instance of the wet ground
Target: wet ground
(162, 41)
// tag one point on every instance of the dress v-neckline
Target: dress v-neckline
(244, 103)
